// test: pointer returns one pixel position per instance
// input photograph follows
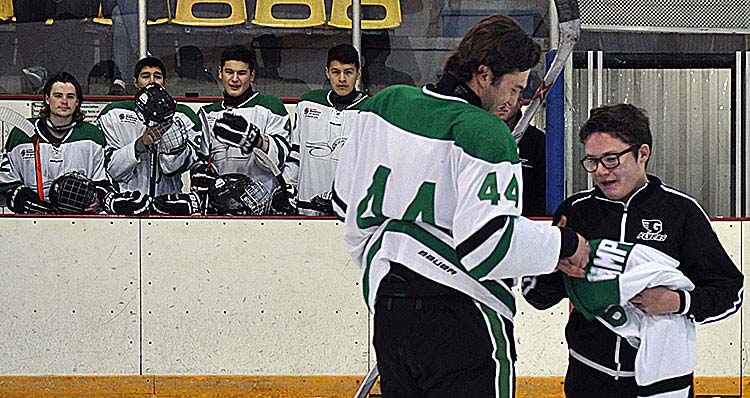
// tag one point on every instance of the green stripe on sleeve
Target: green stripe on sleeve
(441, 248)
(497, 255)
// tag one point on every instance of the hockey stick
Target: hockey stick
(154, 168)
(17, 120)
(207, 135)
(368, 382)
(569, 31)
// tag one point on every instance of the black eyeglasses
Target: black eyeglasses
(609, 162)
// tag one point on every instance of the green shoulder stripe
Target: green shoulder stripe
(16, 138)
(479, 133)
(269, 102)
(87, 131)
(187, 111)
(212, 107)
(319, 96)
(127, 105)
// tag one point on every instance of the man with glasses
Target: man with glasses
(628, 205)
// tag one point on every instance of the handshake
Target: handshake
(575, 265)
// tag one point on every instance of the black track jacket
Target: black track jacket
(657, 216)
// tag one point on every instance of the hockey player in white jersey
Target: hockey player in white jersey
(130, 143)
(244, 120)
(319, 132)
(62, 144)
(429, 184)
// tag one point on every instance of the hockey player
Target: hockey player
(244, 120)
(320, 132)
(63, 144)
(429, 184)
(129, 142)
(629, 205)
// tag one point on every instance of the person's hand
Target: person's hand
(94, 207)
(151, 135)
(657, 301)
(575, 264)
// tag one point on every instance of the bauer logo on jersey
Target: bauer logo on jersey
(437, 262)
(27, 153)
(311, 113)
(653, 231)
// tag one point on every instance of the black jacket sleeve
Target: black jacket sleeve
(718, 281)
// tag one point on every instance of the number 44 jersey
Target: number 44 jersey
(434, 183)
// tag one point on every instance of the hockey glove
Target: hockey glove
(323, 203)
(235, 131)
(72, 193)
(127, 203)
(24, 200)
(284, 201)
(176, 204)
(202, 177)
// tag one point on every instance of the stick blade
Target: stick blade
(17, 120)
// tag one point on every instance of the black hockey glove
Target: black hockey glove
(72, 193)
(202, 177)
(176, 204)
(127, 203)
(24, 200)
(235, 131)
(323, 203)
(284, 201)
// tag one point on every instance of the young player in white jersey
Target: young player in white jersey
(63, 144)
(244, 120)
(320, 131)
(129, 142)
(430, 186)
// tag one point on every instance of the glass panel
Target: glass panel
(48, 36)
(690, 114)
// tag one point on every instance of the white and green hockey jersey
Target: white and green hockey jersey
(81, 150)
(318, 135)
(269, 115)
(617, 272)
(122, 127)
(434, 183)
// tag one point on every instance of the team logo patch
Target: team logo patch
(27, 153)
(128, 118)
(322, 150)
(653, 231)
(311, 113)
